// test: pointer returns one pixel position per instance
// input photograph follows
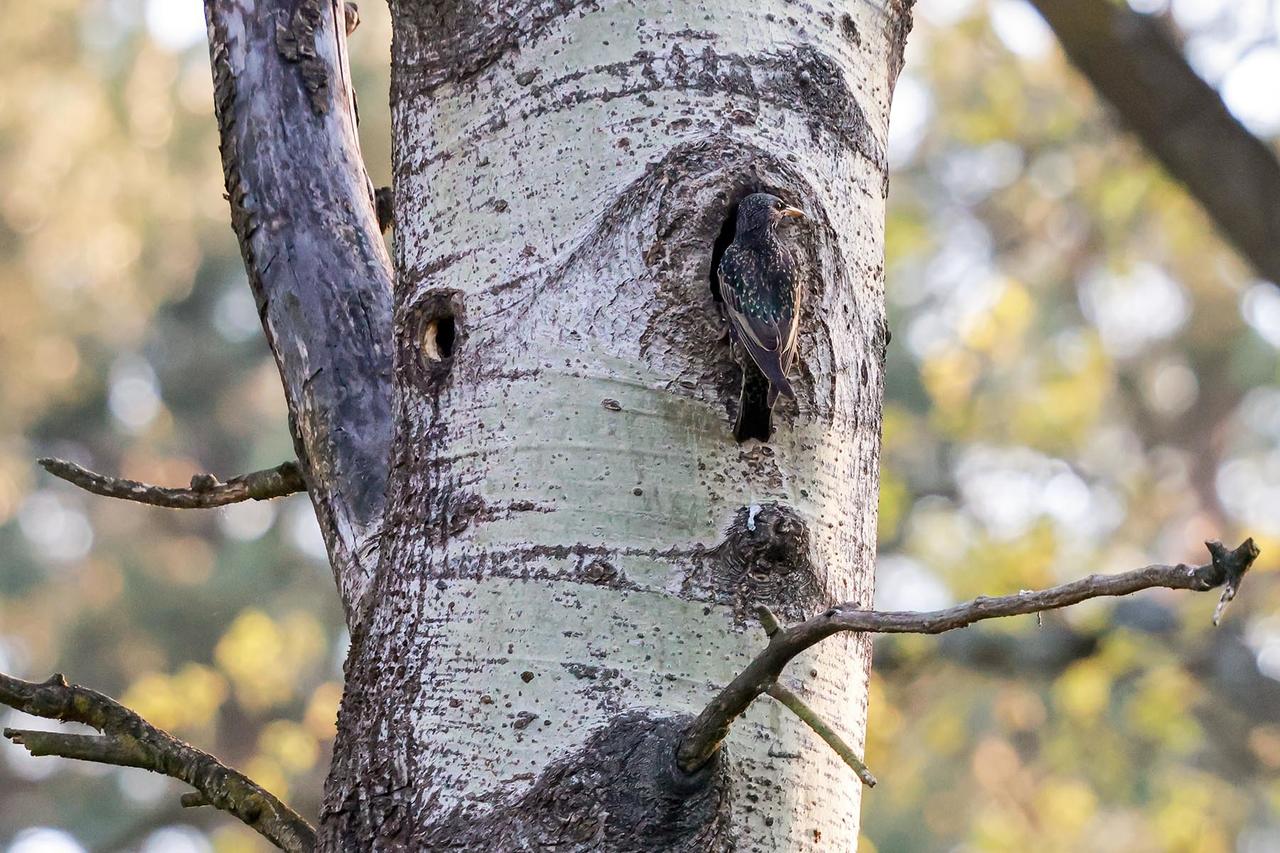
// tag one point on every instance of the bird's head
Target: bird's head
(760, 213)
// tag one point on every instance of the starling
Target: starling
(761, 292)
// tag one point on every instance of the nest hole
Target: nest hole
(754, 417)
(722, 241)
(438, 335)
(439, 331)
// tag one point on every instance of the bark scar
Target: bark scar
(296, 42)
(620, 791)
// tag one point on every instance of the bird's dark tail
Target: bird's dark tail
(755, 410)
(776, 389)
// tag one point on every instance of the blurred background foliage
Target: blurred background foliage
(132, 345)
(1083, 378)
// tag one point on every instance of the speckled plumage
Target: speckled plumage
(760, 286)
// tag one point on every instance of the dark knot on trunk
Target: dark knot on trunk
(765, 559)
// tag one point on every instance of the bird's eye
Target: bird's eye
(777, 205)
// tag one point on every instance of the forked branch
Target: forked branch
(127, 740)
(705, 734)
(206, 490)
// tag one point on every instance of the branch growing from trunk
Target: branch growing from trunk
(705, 734)
(206, 490)
(793, 703)
(302, 207)
(822, 729)
(127, 740)
(1179, 117)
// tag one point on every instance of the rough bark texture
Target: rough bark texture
(1180, 119)
(562, 574)
(303, 210)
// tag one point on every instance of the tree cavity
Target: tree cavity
(437, 335)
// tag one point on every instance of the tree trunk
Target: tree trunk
(572, 543)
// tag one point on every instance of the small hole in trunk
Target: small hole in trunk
(436, 332)
(437, 339)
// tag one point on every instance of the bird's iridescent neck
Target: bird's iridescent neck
(755, 234)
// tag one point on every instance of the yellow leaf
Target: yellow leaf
(292, 746)
(1084, 691)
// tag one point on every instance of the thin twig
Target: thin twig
(811, 719)
(121, 750)
(128, 740)
(705, 734)
(205, 491)
(768, 621)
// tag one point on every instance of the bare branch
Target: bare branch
(820, 727)
(302, 206)
(128, 740)
(123, 750)
(705, 734)
(768, 621)
(1179, 117)
(205, 492)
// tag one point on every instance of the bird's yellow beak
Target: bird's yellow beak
(793, 212)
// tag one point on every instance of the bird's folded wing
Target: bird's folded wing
(760, 333)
